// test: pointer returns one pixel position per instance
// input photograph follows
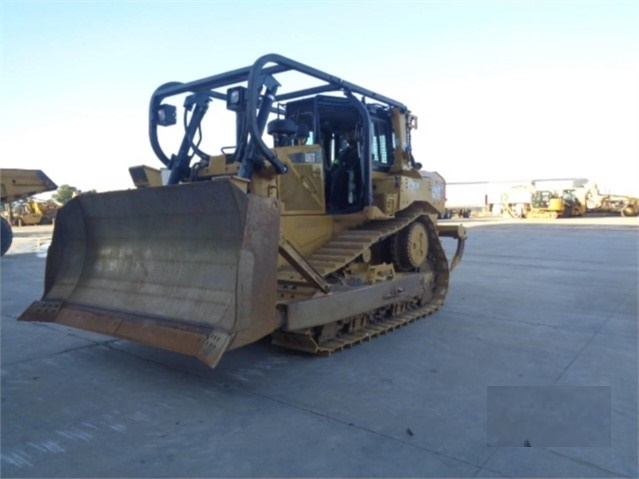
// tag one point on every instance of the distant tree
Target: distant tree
(64, 193)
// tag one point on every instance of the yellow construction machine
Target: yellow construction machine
(551, 205)
(324, 240)
(18, 184)
(524, 201)
(33, 212)
(606, 203)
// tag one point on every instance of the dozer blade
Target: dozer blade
(188, 268)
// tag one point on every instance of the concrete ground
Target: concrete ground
(539, 314)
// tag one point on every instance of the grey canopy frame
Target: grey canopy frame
(252, 93)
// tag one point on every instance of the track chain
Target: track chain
(383, 320)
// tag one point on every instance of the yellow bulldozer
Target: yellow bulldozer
(325, 239)
(552, 205)
(19, 185)
(524, 201)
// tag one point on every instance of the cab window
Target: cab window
(381, 147)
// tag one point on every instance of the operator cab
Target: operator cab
(340, 126)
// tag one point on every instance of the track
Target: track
(341, 251)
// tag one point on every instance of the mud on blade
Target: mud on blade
(188, 268)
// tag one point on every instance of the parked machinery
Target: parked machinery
(525, 201)
(517, 201)
(298, 241)
(548, 204)
(17, 184)
(586, 195)
(33, 212)
(598, 203)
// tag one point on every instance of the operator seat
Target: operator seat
(283, 131)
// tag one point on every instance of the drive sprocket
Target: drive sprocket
(409, 247)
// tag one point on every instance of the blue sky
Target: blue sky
(502, 89)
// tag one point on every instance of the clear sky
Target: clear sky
(503, 89)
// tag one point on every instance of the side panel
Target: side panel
(302, 190)
(396, 192)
